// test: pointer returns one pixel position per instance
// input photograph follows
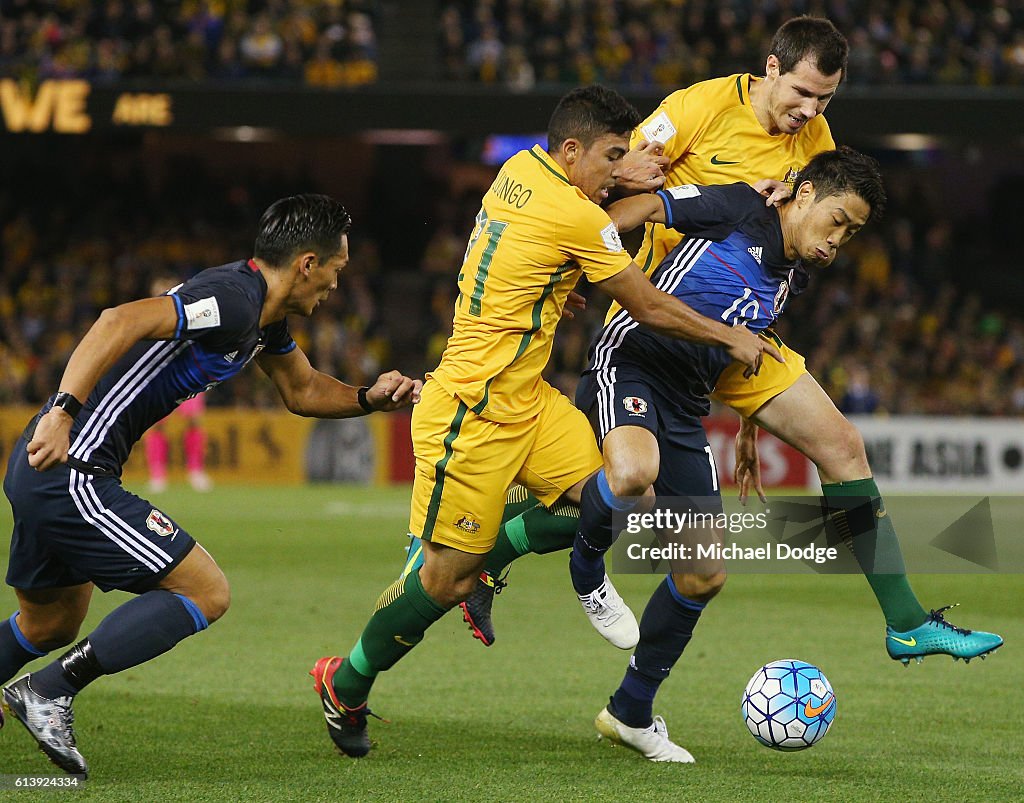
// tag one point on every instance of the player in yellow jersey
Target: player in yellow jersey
(487, 418)
(742, 128)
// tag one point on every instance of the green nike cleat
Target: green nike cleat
(938, 637)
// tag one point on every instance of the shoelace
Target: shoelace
(660, 727)
(67, 720)
(497, 583)
(939, 619)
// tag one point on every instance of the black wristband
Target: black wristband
(363, 401)
(68, 403)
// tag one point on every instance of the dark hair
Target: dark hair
(301, 223)
(845, 170)
(589, 112)
(813, 38)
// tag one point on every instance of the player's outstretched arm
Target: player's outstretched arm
(114, 333)
(642, 168)
(312, 393)
(631, 212)
(669, 316)
(774, 192)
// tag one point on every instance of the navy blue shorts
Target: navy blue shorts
(71, 527)
(626, 396)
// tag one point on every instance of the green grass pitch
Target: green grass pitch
(230, 714)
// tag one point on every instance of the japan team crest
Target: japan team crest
(159, 523)
(635, 405)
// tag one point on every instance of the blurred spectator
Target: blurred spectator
(668, 43)
(227, 41)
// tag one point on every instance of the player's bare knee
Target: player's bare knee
(848, 458)
(216, 601)
(629, 479)
(48, 636)
(213, 597)
(699, 587)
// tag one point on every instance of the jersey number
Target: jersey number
(494, 230)
(748, 312)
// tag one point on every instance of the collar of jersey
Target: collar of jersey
(545, 159)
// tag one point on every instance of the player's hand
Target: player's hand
(747, 473)
(775, 192)
(51, 440)
(392, 391)
(574, 302)
(643, 168)
(746, 347)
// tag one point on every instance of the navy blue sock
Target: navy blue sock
(138, 631)
(595, 535)
(15, 649)
(665, 629)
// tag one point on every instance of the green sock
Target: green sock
(517, 500)
(537, 530)
(878, 553)
(403, 614)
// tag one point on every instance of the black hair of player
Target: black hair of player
(845, 170)
(301, 223)
(589, 112)
(813, 38)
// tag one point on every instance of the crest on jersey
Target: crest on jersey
(635, 405)
(781, 295)
(684, 191)
(467, 524)
(660, 129)
(203, 314)
(610, 238)
(159, 523)
(791, 176)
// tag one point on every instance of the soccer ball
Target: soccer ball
(788, 705)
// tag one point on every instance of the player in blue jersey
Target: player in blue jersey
(76, 527)
(738, 264)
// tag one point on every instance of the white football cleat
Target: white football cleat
(611, 616)
(652, 743)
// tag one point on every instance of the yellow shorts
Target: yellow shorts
(465, 464)
(747, 396)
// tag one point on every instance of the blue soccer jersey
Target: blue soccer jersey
(218, 333)
(731, 267)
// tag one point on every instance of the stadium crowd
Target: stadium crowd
(671, 43)
(890, 328)
(324, 44)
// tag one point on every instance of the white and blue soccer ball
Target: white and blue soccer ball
(788, 705)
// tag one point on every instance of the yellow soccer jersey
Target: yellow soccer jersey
(534, 236)
(712, 136)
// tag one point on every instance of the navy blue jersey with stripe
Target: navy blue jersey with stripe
(218, 332)
(731, 267)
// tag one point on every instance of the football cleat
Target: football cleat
(476, 610)
(346, 726)
(939, 637)
(49, 722)
(610, 616)
(651, 742)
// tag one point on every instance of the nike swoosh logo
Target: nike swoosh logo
(911, 643)
(812, 711)
(403, 642)
(716, 161)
